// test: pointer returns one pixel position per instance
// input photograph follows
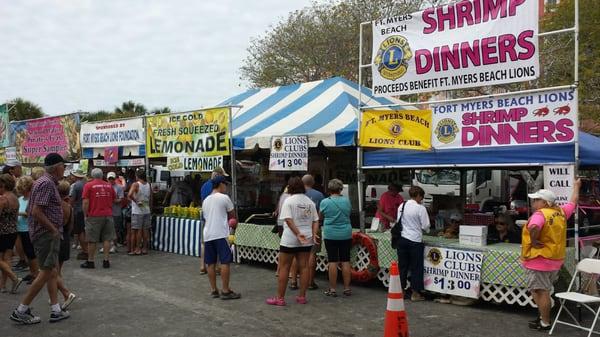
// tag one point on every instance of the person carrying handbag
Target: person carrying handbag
(407, 239)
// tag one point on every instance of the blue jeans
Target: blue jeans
(410, 257)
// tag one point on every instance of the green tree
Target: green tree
(558, 55)
(130, 108)
(97, 116)
(317, 42)
(21, 109)
(160, 111)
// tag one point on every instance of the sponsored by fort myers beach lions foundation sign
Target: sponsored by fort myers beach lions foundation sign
(468, 43)
(203, 133)
(396, 129)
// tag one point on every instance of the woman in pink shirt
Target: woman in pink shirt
(387, 207)
(544, 246)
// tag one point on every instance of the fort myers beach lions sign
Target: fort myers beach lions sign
(468, 43)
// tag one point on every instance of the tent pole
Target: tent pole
(233, 165)
(359, 152)
(576, 83)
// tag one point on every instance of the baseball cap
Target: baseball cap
(53, 159)
(111, 175)
(219, 180)
(13, 163)
(546, 195)
(220, 171)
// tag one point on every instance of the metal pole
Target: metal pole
(233, 165)
(576, 83)
(146, 158)
(359, 152)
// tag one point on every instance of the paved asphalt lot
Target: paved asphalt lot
(164, 295)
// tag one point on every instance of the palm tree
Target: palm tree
(130, 108)
(160, 111)
(20, 109)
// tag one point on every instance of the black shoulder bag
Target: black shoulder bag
(397, 229)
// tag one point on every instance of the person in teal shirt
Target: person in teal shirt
(337, 235)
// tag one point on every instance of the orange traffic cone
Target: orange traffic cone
(396, 324)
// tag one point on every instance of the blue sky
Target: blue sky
(69, 55)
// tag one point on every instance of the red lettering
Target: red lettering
(506, 47)
(524, 41)
(463, 13)
(428, 20)
(450, 56)
(492, 8)
(487, 51)
(470, 54)
(446, 16)
(512, 7)
(423, 61)
(565, 127)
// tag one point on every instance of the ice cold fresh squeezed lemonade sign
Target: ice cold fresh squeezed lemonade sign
(289, 153)
(464, 44)
(540, 118)
(452, 271)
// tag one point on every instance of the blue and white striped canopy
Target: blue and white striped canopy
(324, 110)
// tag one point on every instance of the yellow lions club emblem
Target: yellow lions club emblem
(446, 130)
(434, 256)
(277, 144)
(396, 129)
(392, 57)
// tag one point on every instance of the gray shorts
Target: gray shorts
(99, 228)
(541, 280)
(46, 248)
(141, 221)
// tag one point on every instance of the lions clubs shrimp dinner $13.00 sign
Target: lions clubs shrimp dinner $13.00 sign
(460, 45)
(289, 153)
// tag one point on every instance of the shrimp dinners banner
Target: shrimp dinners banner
(35, 138)
(468, 43)
(547, 117)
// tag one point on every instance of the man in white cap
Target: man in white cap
(13, 167)
(544, 248)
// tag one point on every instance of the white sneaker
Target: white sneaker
(74, 246)
(68, 302)
(113, 249)
(101, 250)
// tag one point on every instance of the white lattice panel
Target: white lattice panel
(360, 260)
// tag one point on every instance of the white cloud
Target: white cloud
(68, 55)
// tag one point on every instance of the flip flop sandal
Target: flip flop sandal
(293, 286)
(347, 292)
(330, 292)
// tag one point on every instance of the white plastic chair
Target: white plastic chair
(589, 251)
(590, 266)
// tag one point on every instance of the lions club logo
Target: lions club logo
(277, 144)
(396, 129)
(446, 130)
(392, 57)
(434, 256)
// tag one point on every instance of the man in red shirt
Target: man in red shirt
(98, 199)
(387, 208)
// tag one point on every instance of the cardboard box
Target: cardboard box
(473, 230)
(472, 240)
(473, 235)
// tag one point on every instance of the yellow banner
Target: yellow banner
(189, 134)
(402, 129)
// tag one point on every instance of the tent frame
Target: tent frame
(359, 152)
